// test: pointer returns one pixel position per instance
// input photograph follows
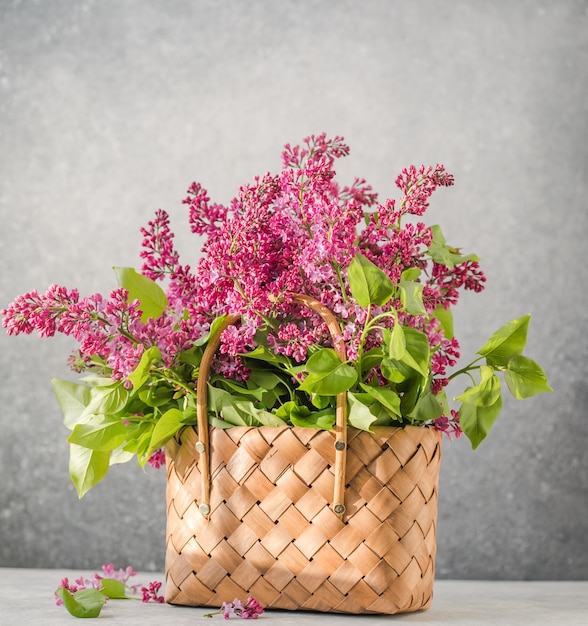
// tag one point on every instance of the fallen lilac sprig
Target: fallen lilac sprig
(85, 597)
(252, 609)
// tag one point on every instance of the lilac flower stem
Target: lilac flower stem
(466, 370)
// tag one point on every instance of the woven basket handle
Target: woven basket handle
(202, 446)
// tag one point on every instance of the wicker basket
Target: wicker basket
(302, 519)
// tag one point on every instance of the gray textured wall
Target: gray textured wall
(108, 110)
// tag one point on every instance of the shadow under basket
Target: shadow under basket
(271, 530)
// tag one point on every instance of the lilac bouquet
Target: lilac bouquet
(389, 279)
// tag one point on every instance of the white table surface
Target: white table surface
(26, 599)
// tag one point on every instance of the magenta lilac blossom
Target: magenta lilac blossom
(250, 609)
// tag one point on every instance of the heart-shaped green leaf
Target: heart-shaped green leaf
(87, 467)
(476, 421)
(151, 297)
(368, 283)
(83, 603)
(506, 342)
(360, 415)
(328, 375)
(525, 377)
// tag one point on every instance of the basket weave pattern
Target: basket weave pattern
(272, 532)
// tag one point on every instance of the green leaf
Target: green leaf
(506, 342)
(443, 254)
(189, 409)
(324, 419)
(83, 603)
(102, 433)
(300, 415)
(238, 410)
(427, 407)
(94, 380)
(113, 589)
(412, 390)
(265, 379)
(257, 417)
(476, 421)
(192, 357)
(230, 414)
(87, 467)
(443, 402)
(368, 283)
(288, 408)
(152, 298)
(445, 317)
(115, 398)
(219, 423)
(156, 395)
(415, 356)
(231, 386)
(141, 445)
(72, 398)
(271, 397)
(119, 456)
(397, 343)
(439, 249)
(486, 393)
(396, 371)
(360, 415)
(321, 402)
(136, 434)
(372, 358)
(323, 360)
(111, 399)
(140, 375)
(217, 398)
(411, 297)
(389, 399)
(383, 416)
(165, 428)
(328, 375)
(525, 377)
(263, 353)
(410, 274)
(417, 351)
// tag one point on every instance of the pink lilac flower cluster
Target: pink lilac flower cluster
(298, 232)
(94, 582)
(293, 232)
(449, 425)
(250, 609)
(157, 459)
(149, 593)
